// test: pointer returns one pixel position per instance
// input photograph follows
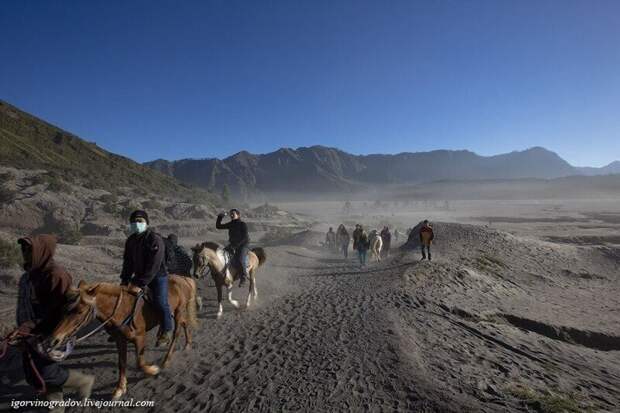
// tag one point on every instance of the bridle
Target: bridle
(91, 315)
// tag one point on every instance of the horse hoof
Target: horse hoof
(118, 393)
(219, 314)
(151, 370)
(235, 303)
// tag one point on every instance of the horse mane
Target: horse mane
(210, 245)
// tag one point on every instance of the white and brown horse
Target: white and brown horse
(376, 244)
(213, 256)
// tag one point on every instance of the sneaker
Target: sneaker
(164, 339)
(242, 280)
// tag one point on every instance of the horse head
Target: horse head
(203, 256)
(77, 312)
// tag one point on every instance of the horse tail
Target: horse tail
(260, 254)
(192, 304)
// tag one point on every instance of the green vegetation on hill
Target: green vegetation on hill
(27, 142)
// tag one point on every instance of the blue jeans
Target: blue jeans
(242, 257)
(428, 249)
(159, 289)
(362, 256)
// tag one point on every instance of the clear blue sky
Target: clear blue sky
(175, 79)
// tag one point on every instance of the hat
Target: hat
(173, 239)
(139, 214)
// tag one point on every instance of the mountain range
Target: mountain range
(329, 170)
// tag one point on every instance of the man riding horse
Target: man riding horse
(144, 258)
(238, 239)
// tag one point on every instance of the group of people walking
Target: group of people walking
(339, 240)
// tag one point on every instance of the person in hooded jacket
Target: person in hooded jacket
(42, 296)
(144, 265)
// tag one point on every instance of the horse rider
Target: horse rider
(144, 259)
(238, 239)
(426, 238)
(42, 295)
(386, 238)
(178, 260)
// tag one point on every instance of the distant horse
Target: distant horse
(211, 255)
(342, 240)
(113, 305)
(376, 243)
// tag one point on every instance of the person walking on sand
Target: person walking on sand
(330, 239)
(43, 293)
(144, 265)
(426, 239)
(386, 237)
(356, 235)
(363, 244)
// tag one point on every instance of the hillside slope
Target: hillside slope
(27, 142)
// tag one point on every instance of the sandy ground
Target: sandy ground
(521, 315)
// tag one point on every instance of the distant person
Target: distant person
(42, 295)
(396, 235)
(144, 266)
(330, 239)
(363, 244)
(238, 239)
(356, 235)
(178, 260)
(386, 237)
(343, 240)
(426, 239)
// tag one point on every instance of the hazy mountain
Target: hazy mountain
(322, 169)
(612, 168)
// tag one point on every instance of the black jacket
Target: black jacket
(144, 257)
(180, 262)
(237, 232)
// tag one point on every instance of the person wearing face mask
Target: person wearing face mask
(144, 266)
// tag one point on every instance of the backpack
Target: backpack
(170, 260)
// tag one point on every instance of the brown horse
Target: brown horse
(112, 304)
(211, 255)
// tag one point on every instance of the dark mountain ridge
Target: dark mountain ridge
(330, 170)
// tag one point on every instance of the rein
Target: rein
(93, 314)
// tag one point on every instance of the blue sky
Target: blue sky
(176, 79)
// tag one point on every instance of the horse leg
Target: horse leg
(148, 369)
(121, 386)
(220, 308)
(175, 335)
(254, 291)
(234, 303)
(188, 336)
(250, 288)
